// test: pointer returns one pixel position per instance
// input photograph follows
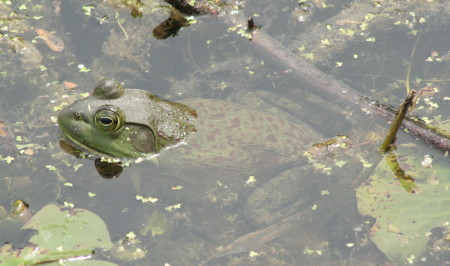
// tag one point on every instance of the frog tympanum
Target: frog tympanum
(199, 139)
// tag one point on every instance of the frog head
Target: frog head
(125, 123)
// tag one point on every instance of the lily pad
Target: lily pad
(405, 215)
(61, 234)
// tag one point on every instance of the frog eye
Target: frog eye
(109, 119)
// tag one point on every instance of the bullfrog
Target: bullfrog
(197, 139)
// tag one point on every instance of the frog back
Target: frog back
(232, 139)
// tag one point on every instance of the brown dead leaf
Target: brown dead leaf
(51, 40)
(69, 85)
(3, 133)
(28, 151)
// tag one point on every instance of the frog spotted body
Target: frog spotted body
(236, 140)
(201, 140)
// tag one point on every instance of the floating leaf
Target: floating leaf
(61, 234)
(404, 219)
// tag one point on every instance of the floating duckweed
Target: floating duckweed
(77, 166)
(131, 235)
(369, 17)
(91, 194)
(111, 160)
(365, 163)
(411, 259)
(308, 251)
(8, 159)
(50, 167)
(325, 169)
(325, 42)
(191, 20)
(145, 200)
(251, 180)
(340, 163)
(244, 33)
(324, 192)
(253, 254)
(67, 184)
(426, 120)
(87, 9)
(68, 204)
(364, 26)
(347, 32)
(83, 69)
(59, 107)
(234, 28)
(309, 56)
(173, 207)
(431, 105)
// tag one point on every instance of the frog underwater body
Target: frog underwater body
(197, 139)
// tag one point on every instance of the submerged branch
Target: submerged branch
(401, 114)
(322, 83)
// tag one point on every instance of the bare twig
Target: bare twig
(401, 114)
(322, 83)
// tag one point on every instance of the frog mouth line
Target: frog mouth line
(83, 147)
(90, 151)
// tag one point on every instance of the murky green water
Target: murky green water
(51, 53)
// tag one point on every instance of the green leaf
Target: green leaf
(61, 234)
(404, 219)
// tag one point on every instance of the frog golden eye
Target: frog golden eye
(109, 119)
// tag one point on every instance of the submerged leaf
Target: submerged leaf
(404, 219)
(61, 234)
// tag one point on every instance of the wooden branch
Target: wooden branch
(323, 84)
(391, 136)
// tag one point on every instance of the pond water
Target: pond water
(54, 52)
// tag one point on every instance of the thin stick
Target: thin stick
(322, 84)
(401, 114)
(409, 69)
